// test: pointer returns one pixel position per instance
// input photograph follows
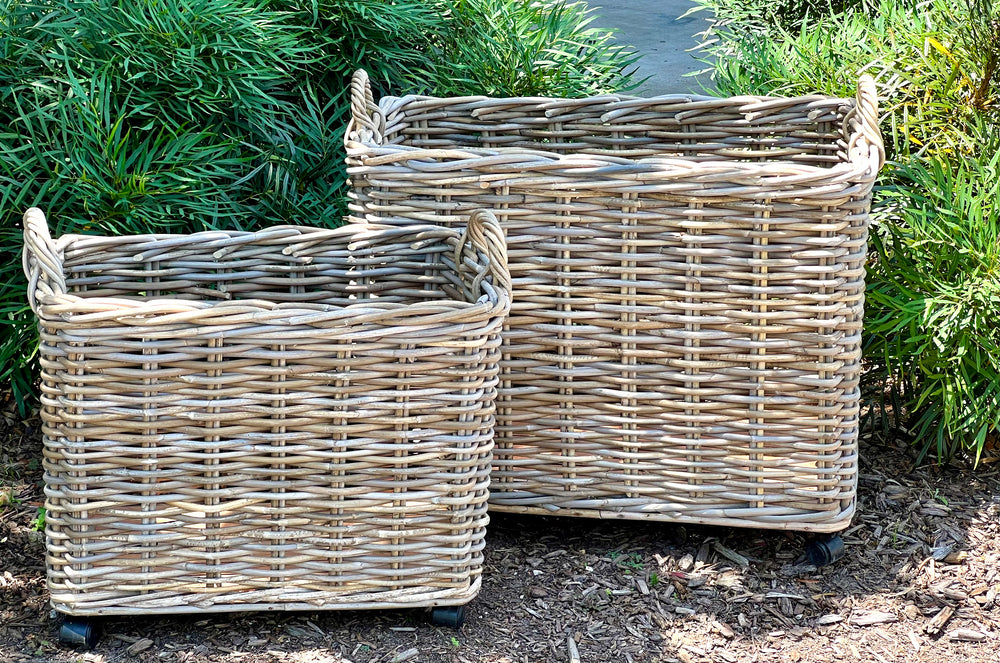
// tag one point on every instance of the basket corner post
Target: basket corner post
(866, 102)
(485, 230)
(366, 121)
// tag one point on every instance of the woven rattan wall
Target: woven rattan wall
(688, 276)
(290, 419)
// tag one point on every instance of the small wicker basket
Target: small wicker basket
(688, 278)
(293, 419)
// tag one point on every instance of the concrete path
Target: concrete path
(653, 28)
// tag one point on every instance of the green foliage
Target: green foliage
(785, 14)
(38, 524)
(503, 48)
(932, 336)
(132, 116)
(930, 59)
(934, 298)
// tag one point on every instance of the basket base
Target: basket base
(834, 522)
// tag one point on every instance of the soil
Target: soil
(919, 582)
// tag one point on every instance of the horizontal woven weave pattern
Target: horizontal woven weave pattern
(290, 419)
(688, 275)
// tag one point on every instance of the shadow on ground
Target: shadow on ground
(923, 549)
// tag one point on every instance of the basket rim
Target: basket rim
(859, 164)
(609, 168)
(62, 307)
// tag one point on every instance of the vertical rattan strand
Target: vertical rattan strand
(460, 515)
(825, 359)
(690, 240)
(79, 359)
(401, 478)
(278, 429)
(339, 474)
(629, 318)
(504, 439)
(566, 367)
(212, 488)
(149, 464)
(760, 241)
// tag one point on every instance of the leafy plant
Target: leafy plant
(172, 116)
(38, 524)
(933, 299)
(932, 340)
(927, 72)
(504, 48)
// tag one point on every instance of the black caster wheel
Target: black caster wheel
(448, 615)
(78, 633)
(825, 551)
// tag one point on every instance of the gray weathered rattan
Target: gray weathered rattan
(290, 419)
(684, 342)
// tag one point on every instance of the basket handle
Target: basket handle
(485, 233)
(41, 260)
(866, 108)
(366, 121)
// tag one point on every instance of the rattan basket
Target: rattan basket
(688, 273)
(293, 419)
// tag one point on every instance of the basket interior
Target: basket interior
(808, 130)
(331, 271)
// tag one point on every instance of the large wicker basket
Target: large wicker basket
(293, 419)
(688, 275)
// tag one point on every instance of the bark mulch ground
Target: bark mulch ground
(919, 582)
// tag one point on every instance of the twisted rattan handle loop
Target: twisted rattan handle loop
(41, 259)
(866, 109)
(485, 233)
(366, 119)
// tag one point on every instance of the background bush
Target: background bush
(933, 329)
(131, 116)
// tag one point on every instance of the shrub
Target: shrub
(932, 335)
(503, 48)
(132, 116)
(934, 299)
(928, 58)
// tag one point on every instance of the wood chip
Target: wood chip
(872, 617)
(731, 555)
(915, 641)
(406, 655)
(956, 557)
(938, 621)
(574, 653)
(723, 630)
(941, 552)
(966, 634)
(139, 646)
(955, 595)
(827, 620)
